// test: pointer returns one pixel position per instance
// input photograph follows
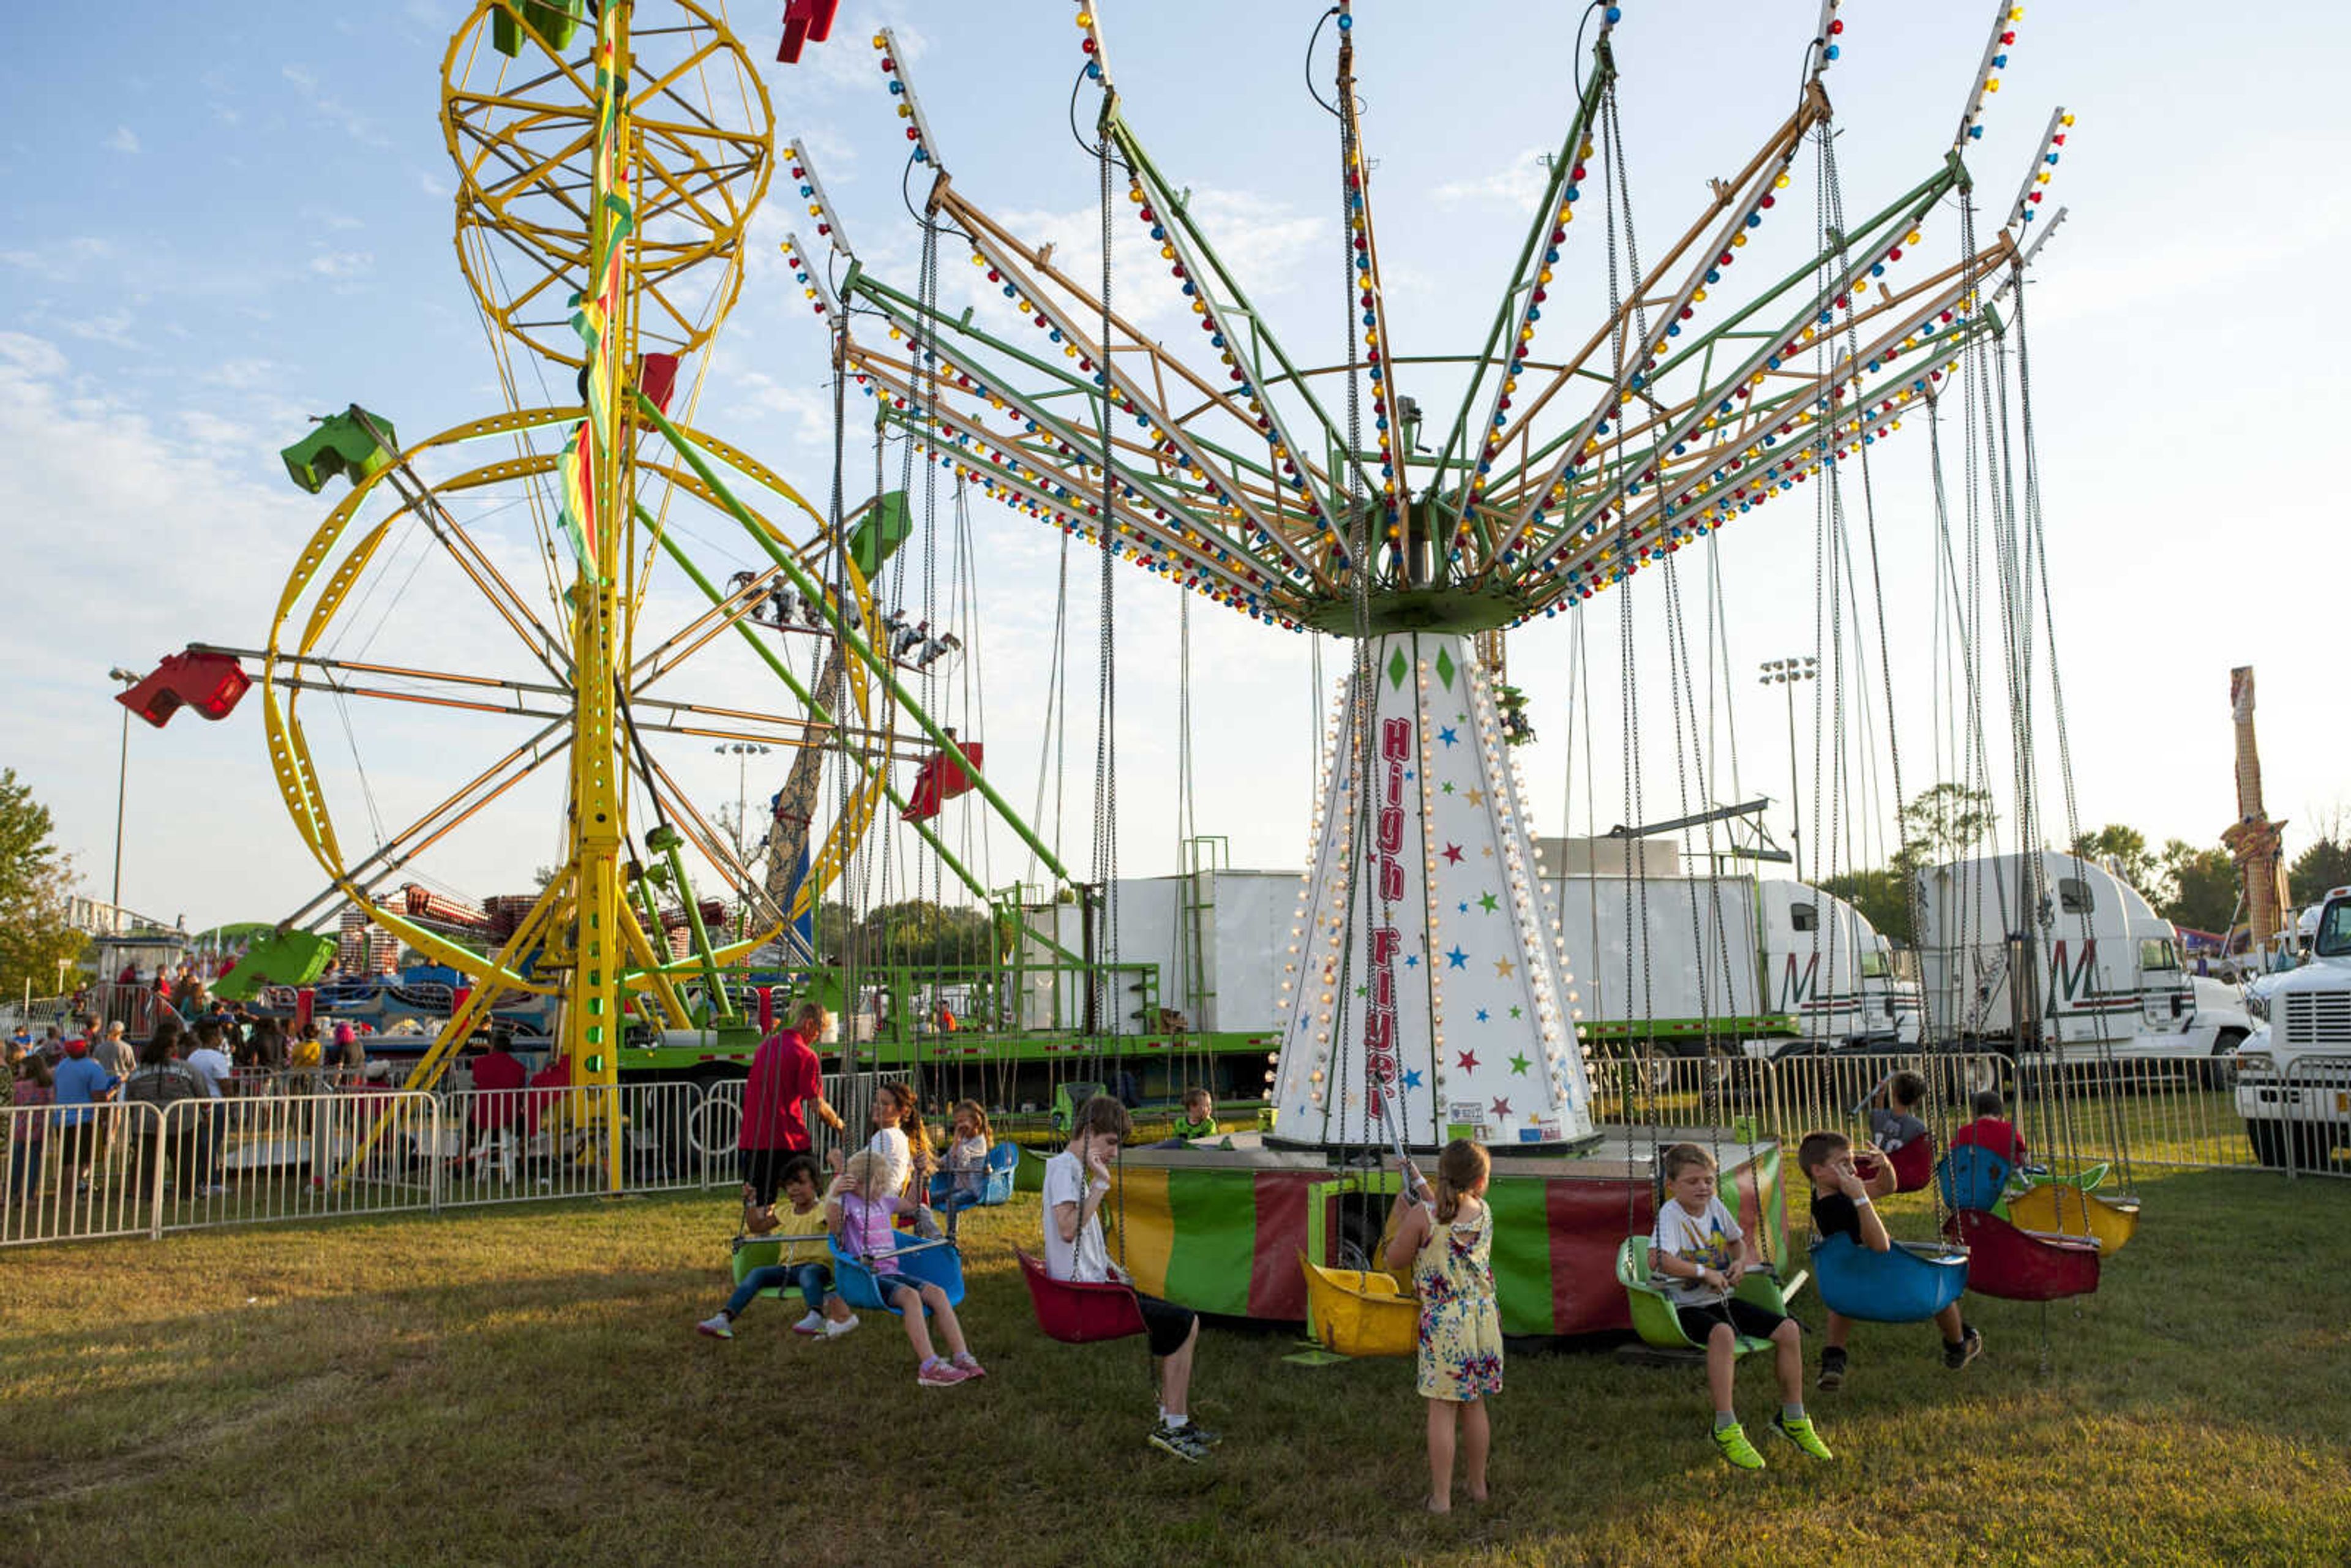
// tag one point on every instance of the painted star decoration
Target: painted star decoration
(1453, 854)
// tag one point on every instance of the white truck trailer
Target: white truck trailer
(2051, 952)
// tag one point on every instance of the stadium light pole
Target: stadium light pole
(1785, 673)
(121, 790)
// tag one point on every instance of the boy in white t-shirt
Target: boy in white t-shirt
(1076, 1181)
(1698, 1251)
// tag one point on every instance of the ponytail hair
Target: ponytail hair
(1462, 1167)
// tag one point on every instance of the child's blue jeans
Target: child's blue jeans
(814, 1281)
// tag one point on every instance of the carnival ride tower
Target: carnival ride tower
(1427, 998)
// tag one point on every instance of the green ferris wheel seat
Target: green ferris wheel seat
(552, 20)
(279, 958)
(341, 444)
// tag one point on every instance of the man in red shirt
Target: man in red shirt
(498, 1109)
(1992, 1129)
(784, 1077)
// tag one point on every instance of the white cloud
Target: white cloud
(124, 139)
(113, 327)
(343, 263)
(1517, 184)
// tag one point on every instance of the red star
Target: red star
(1469, 1062)
(1501, 1107)
(1453, 854)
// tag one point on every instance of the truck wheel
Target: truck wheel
(2269, 1143)
(2220, 1067)
(2314, 1146)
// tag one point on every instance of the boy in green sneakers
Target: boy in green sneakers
(1698, 1251)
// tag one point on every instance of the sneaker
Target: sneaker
(968, 1365)
(719, 1327)
(1731, 1442)
(1832, 1369)
(940, 1374)
(835, 1330)
(1955, 1356)
(812, 1325)
(1799, 1432)
(1202, 1436)
(1181, 1441)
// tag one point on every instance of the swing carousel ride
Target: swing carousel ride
(610, 582)
(1426, 996)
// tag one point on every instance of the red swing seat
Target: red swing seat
(2022, 1265)
(1080, 1311)
(1913, 1164)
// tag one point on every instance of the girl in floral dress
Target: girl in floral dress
(1447, 1237)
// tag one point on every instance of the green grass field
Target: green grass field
(524, 1385)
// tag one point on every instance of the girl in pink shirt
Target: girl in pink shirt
(858, 1214)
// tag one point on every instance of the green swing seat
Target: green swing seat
(759, 1252)
(1654, 1318)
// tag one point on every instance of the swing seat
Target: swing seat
(2063, 1210)
(1003, 1163)
(1080, 1311)
(1913, 1164)
(2089, 1179)
(1656, 1322)
(2020, 1264)
(1361, 1312)
(1908, 1283)
(924, 1263)
(1972, 1176)
(759, 1253)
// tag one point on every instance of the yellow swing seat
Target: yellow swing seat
(1360, 1312)
(2063, 1210)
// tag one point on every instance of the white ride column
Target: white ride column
(1429, 985)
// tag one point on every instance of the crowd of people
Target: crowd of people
(79, 1074)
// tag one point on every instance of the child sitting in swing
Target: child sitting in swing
(966, 1161)
(858, 1217)
(801, 1262)
(1698, 1251)
(1076, 1181)
(1844, 1203)
(1449, 1248)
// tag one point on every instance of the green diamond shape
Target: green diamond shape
(1398, 668)
(1444, 666)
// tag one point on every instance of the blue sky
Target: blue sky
(224, 220)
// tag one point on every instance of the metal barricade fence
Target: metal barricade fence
(78, 1171)
(2165, 1111)
(2315, 1115)
(296, 1157)
(504, 1145)
(717, 1124)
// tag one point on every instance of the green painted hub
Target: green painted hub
(1456, 608)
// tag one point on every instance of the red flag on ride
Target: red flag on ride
(941, 781)
(806, 21)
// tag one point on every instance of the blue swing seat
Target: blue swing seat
(1003, 1161)
(1908, 1283)
(1972, 1176)
(923, 1263)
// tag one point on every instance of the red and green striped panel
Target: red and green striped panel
(1227, 1241)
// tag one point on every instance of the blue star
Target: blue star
(1412, 1077)
(1448, 737)
(1463, 906)
(1409, 774)
(1412, 960)
(1481, 1015)
(1456, 957)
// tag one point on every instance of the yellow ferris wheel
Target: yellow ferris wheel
(517, 626)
